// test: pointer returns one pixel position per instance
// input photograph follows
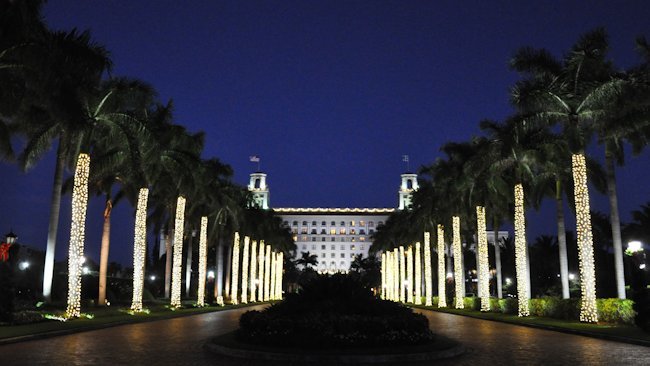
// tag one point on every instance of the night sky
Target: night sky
(330, 94)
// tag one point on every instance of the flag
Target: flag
(405, 158)
(254, 159)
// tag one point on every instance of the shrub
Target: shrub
(616, 311)
(334, 311)
(495, 306)
(472, 303)
(509, 305)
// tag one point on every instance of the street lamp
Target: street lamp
(11, 238)
(634, 247)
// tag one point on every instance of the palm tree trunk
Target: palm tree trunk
(218, 281)
(497, 258)
(226, 268)
(55, 207)
(561, 240)
(188, 264)
(168, 262)
(615, 222)
(103, 257)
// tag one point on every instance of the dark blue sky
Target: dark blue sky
(329, 94)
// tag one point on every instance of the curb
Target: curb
(333, 358)
(62, 332)
(607, 337)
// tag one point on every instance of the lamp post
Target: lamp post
(638, 283)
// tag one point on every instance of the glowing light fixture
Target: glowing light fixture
(428, 285)
(521, 262)
(483, 260)
(442, 292)
(77, 235)
(418, 275)
(458, 263)
(588, 310)
(234, 276)
(203, 260)
(139, 249)
(267, 272)
(178, 252)
(254, 271)
(244, 271)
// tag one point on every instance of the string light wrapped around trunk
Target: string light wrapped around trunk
(442, 289)
(177, 265)
(521, 257)
(244, 271)
(203, 260)
(409, 274)
(383, 276)
(139, 249)
(428, 285)
(458, 263)
(77, 235)
(234, 275)
(260, 270)
(272, 280)
(417, 286)
(588, 310)
(278, 290)
(397, 281)
(483, 260)
(267, 272)
(402, 275)
(254, 271)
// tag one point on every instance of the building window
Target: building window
(324, 223)
(362, 232)
(342, 255)
(294, 231)
(286, 223)
(352, 231)
(313, 247)
(323, 239)
(352, 247)
(333, 223)
(304, 238)
(323, 231)
(332, 255)
(362, 223)
(342, 232)
(304, 223)
(333, 239)
(362, 238)
(313, 223)
(295, 223)
(322, 247)
(352, 223)
(371, 224)
(342, 223)
(303, 230)
(313, 231)
(352, 255)
(332, 231)
(295, 238)
(353, 239)
(342, 247)
(371, 231)
(313, 238)
(258, 183)
(333, 247)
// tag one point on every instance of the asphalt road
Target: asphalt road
(179, 341)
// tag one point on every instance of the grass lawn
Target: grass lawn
(622, 331)
(103, 317)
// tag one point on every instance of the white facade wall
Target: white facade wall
(336, 236)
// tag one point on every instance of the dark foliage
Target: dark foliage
(334, 311)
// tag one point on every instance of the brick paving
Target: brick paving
(179, 342)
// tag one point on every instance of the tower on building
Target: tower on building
(409, 185)
(260, 191)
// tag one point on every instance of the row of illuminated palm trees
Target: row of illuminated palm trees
(58, 91)
(561, 105)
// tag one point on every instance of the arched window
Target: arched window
(258, 183)
(304, 223)
(409, 184)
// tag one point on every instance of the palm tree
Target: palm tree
(575, 92)
(307, 260)
(71, 68)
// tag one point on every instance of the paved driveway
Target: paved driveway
(179, 342)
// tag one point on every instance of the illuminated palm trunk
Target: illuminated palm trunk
(77, 235)
(442, 289)
(428, 285)
(278, 291)
(234, 276)
(521, 261)
(139, 249)
(260, 270)
(244, 271)
(418, 274)
(390, 285)
(409, 274)
(588, 310)
(458, 263)
(483, 260)
(254, 271)
(383, 276)
(267, 272)
(203, 261)
(103, 255)
(397, 282)
(272, 281)
(177, 265)
(402, 275)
